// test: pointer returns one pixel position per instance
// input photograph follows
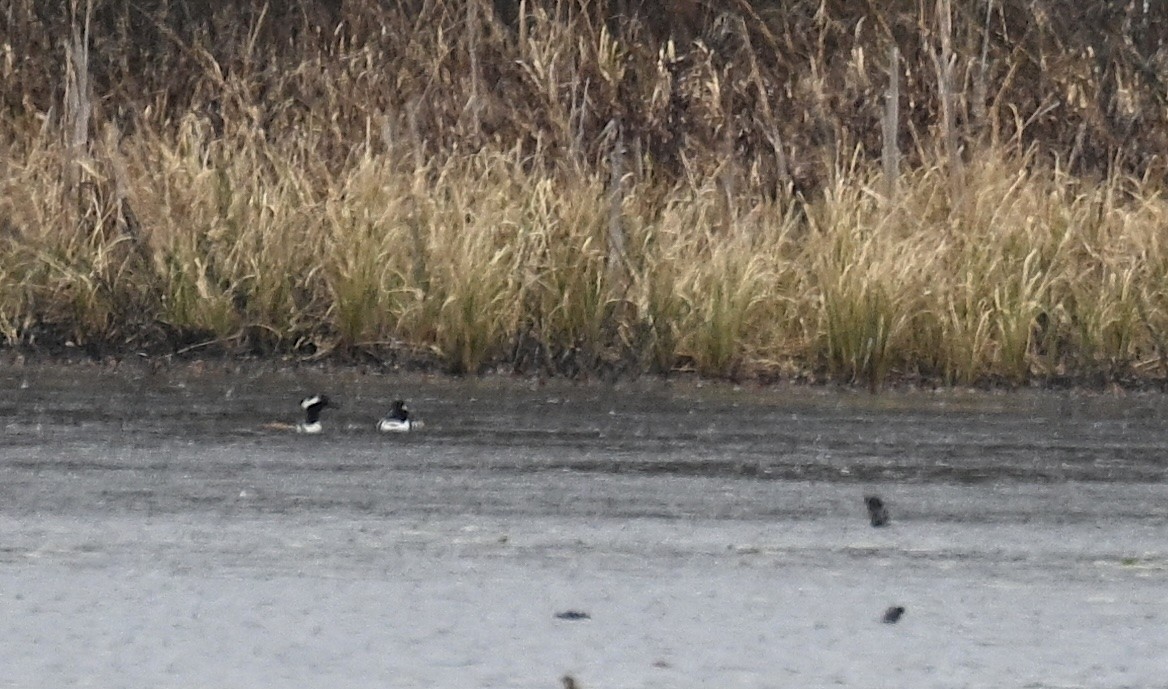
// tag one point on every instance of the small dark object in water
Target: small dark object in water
(569, 682)
(892, 615)
(573, 615)
(877, 512)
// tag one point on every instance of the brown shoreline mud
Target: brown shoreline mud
(136, 363)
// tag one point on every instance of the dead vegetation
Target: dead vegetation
(954, 191)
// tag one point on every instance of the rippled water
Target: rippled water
(154, 532)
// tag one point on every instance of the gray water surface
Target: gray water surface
(154, 531)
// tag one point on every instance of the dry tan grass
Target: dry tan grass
(571, 198)
(1032, 272)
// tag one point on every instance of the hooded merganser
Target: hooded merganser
(312, 407)
(398, 419)
(877, 512)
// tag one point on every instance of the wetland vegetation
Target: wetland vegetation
(815, 189)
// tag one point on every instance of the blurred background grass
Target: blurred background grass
(965, 193)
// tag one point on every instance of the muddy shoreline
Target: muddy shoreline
(401, 361)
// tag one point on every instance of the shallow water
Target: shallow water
(153, 533)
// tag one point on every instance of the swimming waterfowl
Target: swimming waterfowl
(398, 419)
(312, 407)
(877, 512)
(892, 614)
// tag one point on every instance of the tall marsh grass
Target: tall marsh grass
(572, 198)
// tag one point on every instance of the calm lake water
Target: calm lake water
(154, 532)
